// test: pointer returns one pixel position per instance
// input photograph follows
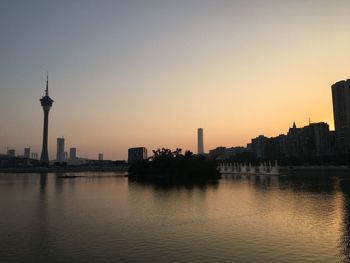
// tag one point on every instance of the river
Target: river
(104, 217)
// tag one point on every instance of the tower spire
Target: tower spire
(47, 84)
(46, 103)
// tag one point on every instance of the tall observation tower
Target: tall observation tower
(46, 103)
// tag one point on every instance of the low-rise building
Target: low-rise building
(137, 154)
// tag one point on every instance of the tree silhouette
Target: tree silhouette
(166, 163)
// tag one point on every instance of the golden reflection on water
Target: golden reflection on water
(248, 219)
(280, 216)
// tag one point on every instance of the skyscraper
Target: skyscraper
(46, 103)
(200, 141)
(341, 111)
(72, 153)
(60, 150)
(27, 152)
(11, 152)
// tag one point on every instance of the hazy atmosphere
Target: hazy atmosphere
(149, 73)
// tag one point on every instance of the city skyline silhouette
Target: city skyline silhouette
(127, 74)
(182, 131)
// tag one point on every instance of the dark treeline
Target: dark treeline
(175, 166)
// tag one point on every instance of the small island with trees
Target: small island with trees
(174, 166)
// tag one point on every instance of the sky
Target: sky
(149, 73)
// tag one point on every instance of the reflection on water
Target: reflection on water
(345, 187)
(103, 217)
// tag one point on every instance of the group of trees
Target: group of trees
(174, 165)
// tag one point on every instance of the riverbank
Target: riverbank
(287, 170)
(320, 170)
(67, 169)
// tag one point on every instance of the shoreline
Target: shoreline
(296, 169)
(63, 169)
(314, 170)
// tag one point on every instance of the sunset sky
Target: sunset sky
(149, 73)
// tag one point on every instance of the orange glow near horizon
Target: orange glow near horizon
(151, 76)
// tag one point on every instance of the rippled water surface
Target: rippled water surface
(102, 217)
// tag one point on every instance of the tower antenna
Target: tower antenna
(47, 84)
(46, 104)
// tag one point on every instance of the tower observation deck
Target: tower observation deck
(46, 103)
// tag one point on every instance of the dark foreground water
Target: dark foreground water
(105, 218)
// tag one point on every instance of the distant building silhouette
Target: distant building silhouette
(293, 144)
(317, 140)
(26, 152)
(341, 111)
(223, 153)
(100, 156)
(200, 143)
(217, 153)
(60, 150)
(260, 146)
(34, 156)
(11, 152)
(16, 162)
(313, 140)
(73, 153)
(137, 154)
(46, 103)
